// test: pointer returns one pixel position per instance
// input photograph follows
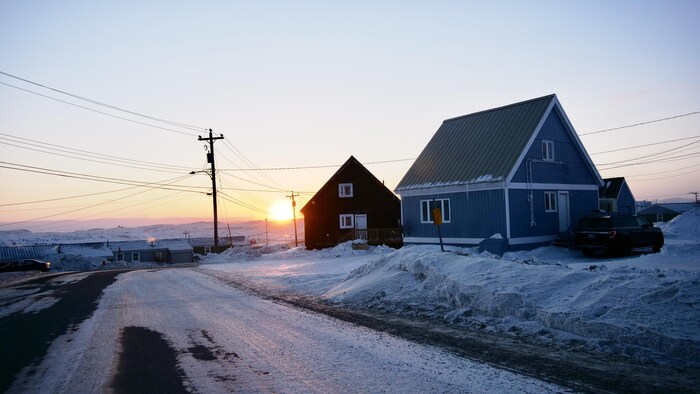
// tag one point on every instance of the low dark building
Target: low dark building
(353, 204)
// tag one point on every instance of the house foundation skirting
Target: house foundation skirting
(476, 241)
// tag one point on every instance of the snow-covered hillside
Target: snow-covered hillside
(644, 306)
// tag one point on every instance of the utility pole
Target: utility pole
(696, 196)
(294, 213)
(266, 238)
(210, 159)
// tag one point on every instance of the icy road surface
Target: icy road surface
(227, 340)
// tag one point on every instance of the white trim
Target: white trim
(531, 240)
(476, 241)
(553, 203)
(347, 215)
(442, 210)
(552, 186)
(436, 240)
(507, 200)
(494, 186)
(572, 132)
(550, 150)
(531, 140)
(467, 187)
(341, 190)
(574, 135)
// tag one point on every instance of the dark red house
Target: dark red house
(353, 204)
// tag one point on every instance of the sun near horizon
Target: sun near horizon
(281, 210)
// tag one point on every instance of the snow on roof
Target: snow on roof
(86, 250)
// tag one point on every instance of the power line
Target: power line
(99, 112)
(640, 124)
(171, 123)
(66, 198)
(645, 145)
(93, 154)
(83, 208)
(121, 165)
(665, 177)
(66, 174)
(662, 172)
(311, 167)
(651, 155)
(666, 159)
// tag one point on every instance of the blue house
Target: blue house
(616, 196)
(517, 173)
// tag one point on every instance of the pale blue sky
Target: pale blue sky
(312, 82)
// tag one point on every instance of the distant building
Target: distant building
(15, 253)
(616, 196)
(172, 251)
(352, 204)
(205, 245)
(664, 212)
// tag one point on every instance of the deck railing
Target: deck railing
(374, 236)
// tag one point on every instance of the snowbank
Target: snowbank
(644, 306)
(650, 314)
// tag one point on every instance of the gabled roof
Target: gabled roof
(611, 187)
(483, 147)
(352, 161)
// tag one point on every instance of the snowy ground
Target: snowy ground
(645, 306)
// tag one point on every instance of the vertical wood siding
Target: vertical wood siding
(478, 214)
(547, 223)
(575, 170)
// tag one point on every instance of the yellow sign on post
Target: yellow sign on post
(437, 216)
(437, 219)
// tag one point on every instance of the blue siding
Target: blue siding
(478, 214)
(625, 201)
(575, 170)
(546, 223)
(582, 203)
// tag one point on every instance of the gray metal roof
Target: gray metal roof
(138, 246)
(476, 148)
(14, 253)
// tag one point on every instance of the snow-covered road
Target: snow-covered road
(228, 340)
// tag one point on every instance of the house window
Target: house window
(207, 249)
(550, 201)
(345, 190)
(427, 206)
(547, 150)
(135, 256)
(347, 221)
(120, 256)
(659, 217)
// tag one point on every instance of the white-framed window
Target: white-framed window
(345, 190)
(427, 206)
(347, 221)
(550, 201)
(207, 249)
(135, 256)
(547, 150)
(659, 217)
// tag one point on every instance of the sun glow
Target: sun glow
(281, 210)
